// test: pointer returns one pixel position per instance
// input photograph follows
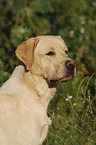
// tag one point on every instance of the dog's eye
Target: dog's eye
(50, 53)
(66, 51)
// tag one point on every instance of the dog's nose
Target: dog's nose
(70, 64)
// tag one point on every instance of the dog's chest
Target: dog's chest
(35, 128)
(38, 123)
(23, 127)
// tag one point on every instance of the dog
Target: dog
(25, 96)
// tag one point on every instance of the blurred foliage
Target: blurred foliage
(75, 21)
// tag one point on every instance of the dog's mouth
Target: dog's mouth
(60, 80)
(63, 79)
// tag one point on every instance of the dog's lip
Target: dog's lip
(69, 76)
(64, 79)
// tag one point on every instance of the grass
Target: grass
(73, 118)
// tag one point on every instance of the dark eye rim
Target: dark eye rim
(50, 53)
(66, 51)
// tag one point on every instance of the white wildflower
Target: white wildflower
(70, 97)
(55, 141)
(66, 99)
(72, 33)
(74, 104)
(82, 30)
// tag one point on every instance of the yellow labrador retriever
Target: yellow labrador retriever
(25, 96)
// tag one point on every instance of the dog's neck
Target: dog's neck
(38, 84)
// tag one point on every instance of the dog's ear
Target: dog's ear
(25, 51)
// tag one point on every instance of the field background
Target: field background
(73, 109)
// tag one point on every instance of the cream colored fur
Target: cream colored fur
(25, 96)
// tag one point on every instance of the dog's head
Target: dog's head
(47, 56)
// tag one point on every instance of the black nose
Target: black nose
(70, 64)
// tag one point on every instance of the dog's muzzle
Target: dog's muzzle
(70, 72)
